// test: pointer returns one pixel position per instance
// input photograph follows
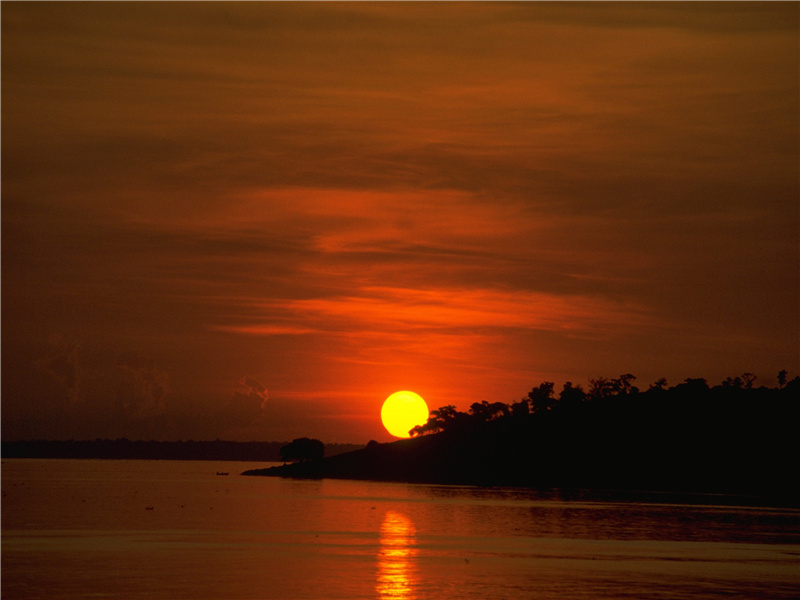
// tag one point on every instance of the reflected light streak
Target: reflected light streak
(395, 569)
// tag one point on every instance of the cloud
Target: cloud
(62, 365)
(256, 388)
(245, 407)
(466, 309)
(139, 386)
(125, 394)
(454, 335)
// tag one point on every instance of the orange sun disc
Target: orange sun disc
(402, 411)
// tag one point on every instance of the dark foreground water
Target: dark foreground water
(173, 530)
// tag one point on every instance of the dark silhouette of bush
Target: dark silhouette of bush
(303, 449)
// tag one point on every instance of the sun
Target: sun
(402, 411)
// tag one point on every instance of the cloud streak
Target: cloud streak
(388, 309)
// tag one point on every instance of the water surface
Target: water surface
(177, 529)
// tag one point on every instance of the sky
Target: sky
(255, 221)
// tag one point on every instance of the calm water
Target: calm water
(173, 530)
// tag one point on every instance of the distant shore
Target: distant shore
(155, 450)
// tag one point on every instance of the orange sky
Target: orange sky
(257, 220)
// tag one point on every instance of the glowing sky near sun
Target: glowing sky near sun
(257, 220)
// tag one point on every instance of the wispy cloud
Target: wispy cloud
(464, 309)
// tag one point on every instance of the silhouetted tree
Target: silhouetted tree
(782, 374)
(418, 430)
(693, 385)
(733, 382)
(600, 388)
(623, 386)
(541, 397)
(480, 410)
(521, 408)
(440, 419)
(445, 415)
(748, 379)
(571, 395)
(485, 411)
(303, 449)
(659, 384)
(437, 421)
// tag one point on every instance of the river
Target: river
(180, 529)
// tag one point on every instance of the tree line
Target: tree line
(542, 399)
(734, 438)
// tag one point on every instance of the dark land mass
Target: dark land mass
(690, 439)
(155, 450)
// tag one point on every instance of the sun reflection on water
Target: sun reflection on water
(395, 569)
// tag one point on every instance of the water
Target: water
(173, 529)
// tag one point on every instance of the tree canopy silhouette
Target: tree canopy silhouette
(303, 449)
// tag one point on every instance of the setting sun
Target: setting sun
(403, 411)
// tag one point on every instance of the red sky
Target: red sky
(257, 220)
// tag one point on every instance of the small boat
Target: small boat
(221, 473)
